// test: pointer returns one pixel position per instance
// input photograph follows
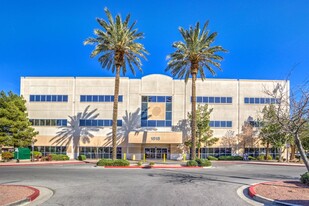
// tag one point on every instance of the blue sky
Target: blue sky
(265, 38)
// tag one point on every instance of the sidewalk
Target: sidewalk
(29, 163)
(262, 163)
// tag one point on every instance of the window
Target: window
(220, 123)
(246, 100)
(217, 99)
(211, 99)
(99, 98)
(98, 122)
(260, 100)
(156, 123)
(48, 98)
(49, 122)
(31, 98)
(205, 99)
(223, 99)
(229, 100)
(199, 99)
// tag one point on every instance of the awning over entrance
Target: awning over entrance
(155, 137)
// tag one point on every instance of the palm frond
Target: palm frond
(116, 43)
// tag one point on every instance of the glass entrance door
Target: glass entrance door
(155, 153)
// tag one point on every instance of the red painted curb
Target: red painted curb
(37, 164)
(34, 195)
(260, 163)
(153, 167)
(31, 197)
(252, 192)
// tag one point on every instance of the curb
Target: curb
(27, 199)
(265, 200)
(151, 167)
(260, 163)
(39, 164)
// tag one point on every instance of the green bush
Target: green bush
(57, 157)
(82, 157)
(304, 178)
(203, 162)
(36, 154)
(110, 162)
(230, 158)
(192, 163)
(151, 163)
(212, 158)
(7, 155)
(262, 157)
(251, 158)
(140, 163)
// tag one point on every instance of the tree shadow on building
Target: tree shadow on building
(131, 122)
(74, 133)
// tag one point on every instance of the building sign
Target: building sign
(155, 138)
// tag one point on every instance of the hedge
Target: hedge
(82, 157)
(192, 163)
(262, 157)
(203, 162)
(230, 158)
(110, 162)
(212, 158)
(304, 178)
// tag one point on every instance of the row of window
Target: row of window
(46, 150)
(99, 152)
(98, 122)
(156, 123)
(220, 124)
(156, 99)
(99, 98)
(254, 152)
(215, 152)
(48, 98)
(260, 100)
(216, 100)
(48, 122)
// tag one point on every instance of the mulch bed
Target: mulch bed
(13, 193)
(285, 191)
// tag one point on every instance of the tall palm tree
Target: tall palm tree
(118, 48)
(192, 56)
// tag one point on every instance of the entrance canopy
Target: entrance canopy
(155, 137)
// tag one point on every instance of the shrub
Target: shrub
(57, 157)
(7, 156)
(203, 162)
(212, 158)
(139, 163)
(262, 157)
(36, 154)
(304, 178)
(251, 158)
(82, 157)
(151, 163)
(110, 162)
(230, 158)
(192, 163)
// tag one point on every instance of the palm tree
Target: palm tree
(118, 48)
(191, 57)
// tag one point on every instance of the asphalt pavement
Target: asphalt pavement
(89, 185)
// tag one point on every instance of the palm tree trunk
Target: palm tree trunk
(301, 150)
(115, 112)
(193, 112)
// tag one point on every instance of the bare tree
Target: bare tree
(248, 136)
(229, 140)
(292, 112)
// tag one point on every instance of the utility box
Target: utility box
(22, 153)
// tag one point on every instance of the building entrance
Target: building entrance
(155, 153)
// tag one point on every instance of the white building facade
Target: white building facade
(74, 114)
